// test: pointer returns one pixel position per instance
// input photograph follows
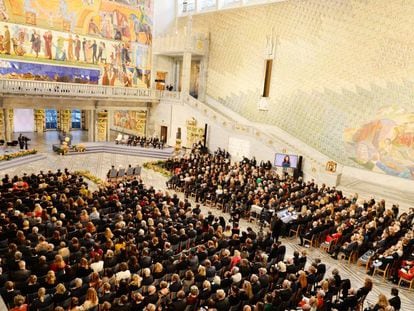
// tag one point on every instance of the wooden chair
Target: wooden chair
(383, 272)
(410, 282)
(325, 246)
(353, 257)
(363, 262)
(209, 202)
(313, 241)
(360, 304)
(295, 232)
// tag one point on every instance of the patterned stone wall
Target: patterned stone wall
(339, 66)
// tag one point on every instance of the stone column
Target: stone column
(153, 75)
(8, 124)
(108, 126)
(186, 73)
(202, 86)
(91, 124)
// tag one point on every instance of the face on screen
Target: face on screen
(286, 160)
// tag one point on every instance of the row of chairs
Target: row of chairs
(115, 175)
(318, 240)
(12, 143)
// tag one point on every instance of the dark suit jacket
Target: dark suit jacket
(20, 275)
(395, 302)
(178, 305)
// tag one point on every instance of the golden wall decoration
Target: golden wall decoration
(102, 126)
(65, 118)
(2, 133)
(194, 133)
(331, 166)
(39, 116)
(10, 121)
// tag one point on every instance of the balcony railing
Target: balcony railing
(74, 90)
(195, 43)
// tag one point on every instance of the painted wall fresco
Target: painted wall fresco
(113, 37)
(385, 143)
(130, 122)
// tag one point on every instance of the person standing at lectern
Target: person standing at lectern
(26, 142)
(21, 141)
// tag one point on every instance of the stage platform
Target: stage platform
(111, 147)
(4, 165)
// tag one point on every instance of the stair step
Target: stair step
(4, 165)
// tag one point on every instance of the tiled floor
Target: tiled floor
(98, 165)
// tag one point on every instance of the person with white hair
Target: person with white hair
(222, 302)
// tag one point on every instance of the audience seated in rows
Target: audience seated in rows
(130, 247)
(318, 213)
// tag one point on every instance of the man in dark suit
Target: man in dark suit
(222, 303)
(395, 301)
(22, 274)
(9, 292)
(180, 304)
(349, 302)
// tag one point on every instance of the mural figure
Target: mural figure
(27, 34)
(385, 144)
(3, 12)
(47, 37)
(70, 48)
(140, 27)
(93, 28)
(77, 47)
(18, 47)
(107, 29)
(6, 40)
(60, 49)
(36, 43)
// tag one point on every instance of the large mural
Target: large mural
(111, 36)
(385, 143)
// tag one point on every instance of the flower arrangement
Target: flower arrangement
(79, 148)
(158, 166)
(62, 150)
(11, 156)
(92, 178)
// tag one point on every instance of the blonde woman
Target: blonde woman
(42, 299)
(90, 301)
(381, 304)
(158, 271)
(246, 293)
(135, 283)
(61, 294)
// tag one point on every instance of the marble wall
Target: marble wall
(340, 68)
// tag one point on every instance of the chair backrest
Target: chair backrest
(113, 173)
(121, 172)
(130, 171)
(119, 137)
(137, 171)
